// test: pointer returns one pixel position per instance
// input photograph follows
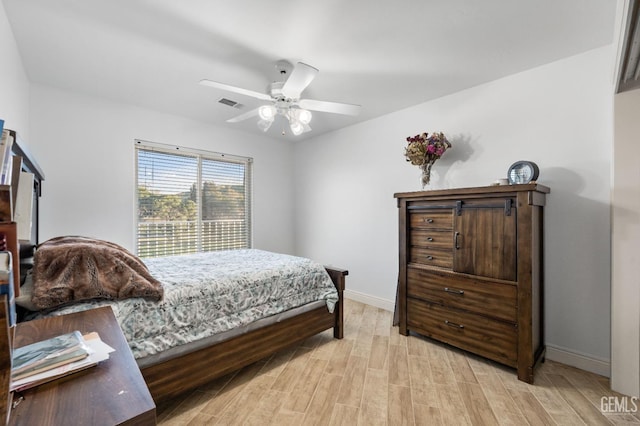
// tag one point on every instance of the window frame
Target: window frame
(200, 155)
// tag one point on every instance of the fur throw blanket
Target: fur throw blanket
(68, 269)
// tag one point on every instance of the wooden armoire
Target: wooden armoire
(471, 270)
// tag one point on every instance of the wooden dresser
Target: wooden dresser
(471, 271)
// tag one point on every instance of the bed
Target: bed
(192, 318)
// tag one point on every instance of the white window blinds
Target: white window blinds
(190, 201)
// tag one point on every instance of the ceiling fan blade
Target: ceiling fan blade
(299, 79)
(334, 107)
(229, 88)
(241, 117)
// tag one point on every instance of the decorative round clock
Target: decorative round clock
(522, 172)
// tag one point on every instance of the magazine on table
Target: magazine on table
(95, 351)
(46, 354)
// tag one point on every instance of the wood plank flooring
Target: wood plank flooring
(375, 376)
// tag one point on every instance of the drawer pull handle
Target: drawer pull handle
(454, 291)
(453, 324)
(429, 257)
(429, 220)
(429, 239)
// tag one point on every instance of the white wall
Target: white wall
(14, 85)
(558, 115)
(85, 146)
(625, 286)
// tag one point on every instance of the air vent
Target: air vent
(229, 102)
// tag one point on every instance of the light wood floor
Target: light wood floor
(375, 376)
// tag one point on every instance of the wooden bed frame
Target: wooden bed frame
(172, 377)
(175, 376)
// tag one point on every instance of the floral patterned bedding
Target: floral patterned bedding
(209, 293)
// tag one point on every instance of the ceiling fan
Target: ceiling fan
(284, 99)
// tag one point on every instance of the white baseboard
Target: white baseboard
(378, 302)
(578, 360)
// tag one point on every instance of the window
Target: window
(190, 201)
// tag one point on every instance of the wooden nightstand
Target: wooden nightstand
(112, 393)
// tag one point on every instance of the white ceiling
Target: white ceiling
(383, 55)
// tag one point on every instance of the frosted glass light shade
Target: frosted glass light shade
(304, 116)
(267, 112)
(265, 124)
(296, 127)
(301, 115)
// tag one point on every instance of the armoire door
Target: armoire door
(485, 239)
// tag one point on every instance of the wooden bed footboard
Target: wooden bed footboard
(338, 278)
(175, 376)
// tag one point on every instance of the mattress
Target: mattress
(208, 294)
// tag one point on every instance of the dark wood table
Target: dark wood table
(111, 393)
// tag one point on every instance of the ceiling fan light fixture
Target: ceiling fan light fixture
(299, 114)
(297, 128)
(304, 115)
(265, 124)
(284, 99)
(267, 112)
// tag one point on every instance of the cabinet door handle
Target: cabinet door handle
(454, 291)
(456, 239)
(453, 324)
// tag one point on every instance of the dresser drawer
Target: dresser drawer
(431, 238)
(439, 219)
(493, 339)
(431, 256)
(484, 297)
